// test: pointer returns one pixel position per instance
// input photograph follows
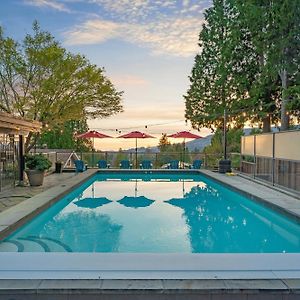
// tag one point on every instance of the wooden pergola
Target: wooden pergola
(10, 124)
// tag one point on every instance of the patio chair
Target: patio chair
(173, 164)
(146, 164)
(80, 166)
(125, 164)
(197, 163)
(102, 164)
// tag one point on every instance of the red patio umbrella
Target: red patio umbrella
(184, 135)
(92, 134)
(136, 135)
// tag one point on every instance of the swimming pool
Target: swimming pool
(156, 213)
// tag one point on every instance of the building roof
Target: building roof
(10, 124)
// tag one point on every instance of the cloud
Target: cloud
(164, 26)
(175, 36)
(92, 32)
(129, 80)
(48, 4)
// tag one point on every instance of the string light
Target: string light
(140, 126)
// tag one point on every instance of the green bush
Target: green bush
(37, 162)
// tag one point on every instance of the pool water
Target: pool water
(156, 213)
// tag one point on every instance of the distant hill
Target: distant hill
(199, 144)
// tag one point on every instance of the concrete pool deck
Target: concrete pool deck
(114, 276)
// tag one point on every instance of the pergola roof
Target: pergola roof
(10, 124)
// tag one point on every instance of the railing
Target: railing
(8, 161)
(273, 158)
(158, 160)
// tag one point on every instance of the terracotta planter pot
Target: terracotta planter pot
(35, 177)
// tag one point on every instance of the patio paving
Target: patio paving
(15, 195)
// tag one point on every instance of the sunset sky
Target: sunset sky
(146, 47)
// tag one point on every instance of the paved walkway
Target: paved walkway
(12, 196)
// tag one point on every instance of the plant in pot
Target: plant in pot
(36, 165)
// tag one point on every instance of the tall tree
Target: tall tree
(40, 80)
(273, 27)
(249, 58)
(218, 81)
(164, 143)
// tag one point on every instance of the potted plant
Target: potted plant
(58, 166)
(36, 166)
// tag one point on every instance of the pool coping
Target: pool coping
(107, 266)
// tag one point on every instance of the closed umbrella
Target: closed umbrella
(184, 135)
(136, 135)
(92, 134)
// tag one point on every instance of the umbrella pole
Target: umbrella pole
(183, 159)
(93, 154)
(136, 166)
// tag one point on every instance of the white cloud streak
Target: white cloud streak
(48, 4)
(175, 36)
(165, 26)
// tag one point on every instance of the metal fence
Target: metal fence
(273, 157)
(8, 160)
(158, 160)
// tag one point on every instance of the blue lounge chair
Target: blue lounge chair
(173, 164)
(125, 164)
(196, 164)
(146, 164)
(102, 164)
(80, 165)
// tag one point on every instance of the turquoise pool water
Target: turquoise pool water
(156, 213)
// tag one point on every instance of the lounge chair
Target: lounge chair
(125, 164)
(173, 164)
(80, 166)
(146, 164)
(102, 164)
(196, 164)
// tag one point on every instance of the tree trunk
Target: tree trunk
(267, 124)
(31, 140)
(285, 119)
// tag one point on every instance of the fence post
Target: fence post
(273, 160)
(255, 161)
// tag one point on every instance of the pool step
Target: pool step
(11, 246)
(34, 244)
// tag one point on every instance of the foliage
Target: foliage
(274, 28)
(248, 64)
(121, 155)
(64, 137)
(170, 151)
(233, 142)
(163, 143)
(40, 80)
(217, 80)
(37, 162)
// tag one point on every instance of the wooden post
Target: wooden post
(21, 160)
